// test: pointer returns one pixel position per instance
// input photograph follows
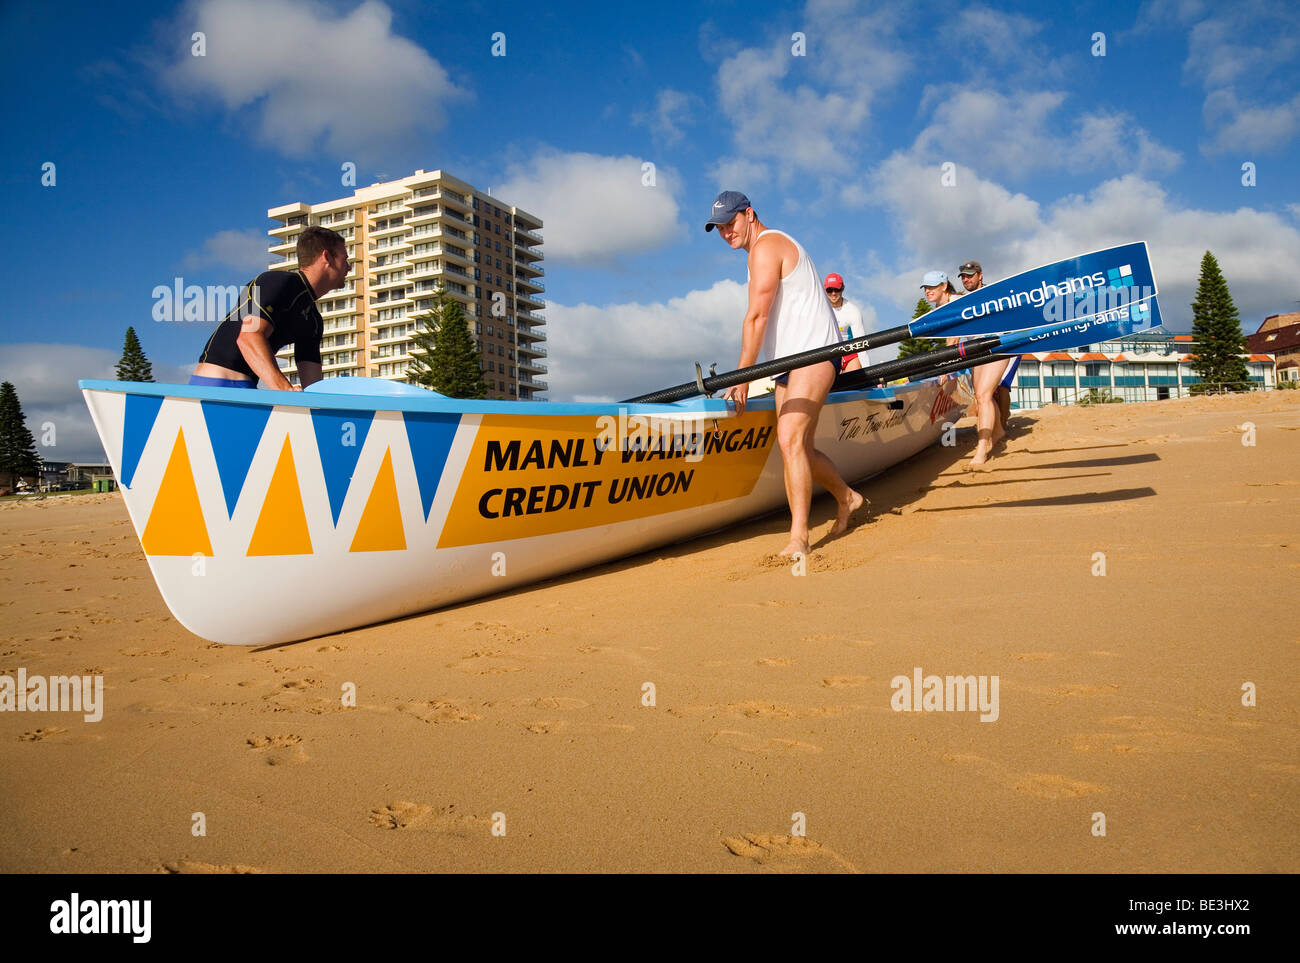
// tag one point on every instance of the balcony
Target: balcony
(532, 350)
(532, 269)
(286, 246)
(524, 256)
(526, 302)
(389, 285)
(388, 231)
(522, 281)
(535, 385)
(532, 236)
(530, 317)
(423, 215)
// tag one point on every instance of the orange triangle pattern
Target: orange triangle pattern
(176, 525)
(380, 528)
(282, 525)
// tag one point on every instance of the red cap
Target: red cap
(834, 281)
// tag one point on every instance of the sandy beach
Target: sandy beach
(510, 734)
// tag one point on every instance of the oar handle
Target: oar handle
(742, 376)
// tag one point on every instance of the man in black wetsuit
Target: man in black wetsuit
(277, 308)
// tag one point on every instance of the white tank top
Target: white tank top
(801, 317)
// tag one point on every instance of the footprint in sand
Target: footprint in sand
(1046, 786)
(446, 820)
(556, 702)
(845, 681)
(1147, 734)
(37, 735)
(773, 853)
(776, 660)
(760, 710)
(278, 750)
(137, 651)
(746, 742)
(298, 685)
(547, 726)
(485, 663)
(194, 868)
(439, 711)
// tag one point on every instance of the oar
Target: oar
(1077, 287)
(1100, 327)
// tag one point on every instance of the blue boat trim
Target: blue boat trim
(430, 402)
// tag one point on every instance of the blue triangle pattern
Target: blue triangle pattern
(235, 431)
(137, 423)
(430, 436)
(340, 435)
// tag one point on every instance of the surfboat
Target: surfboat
(271, 516)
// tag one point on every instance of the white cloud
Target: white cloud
(615, 351)
(1026, 130)
(1009, 233)
(244, 251)
(45, 377)
(672, 111)
(1245, 57)
(594, 207)
(809, 114)
(311, 78)
(1247, 128)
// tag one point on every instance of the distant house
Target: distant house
(53, 475)
(1279, 336)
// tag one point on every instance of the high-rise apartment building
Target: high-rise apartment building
(405, 237)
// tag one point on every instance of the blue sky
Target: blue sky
(165, 163)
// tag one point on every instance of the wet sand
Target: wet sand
(1119, 694)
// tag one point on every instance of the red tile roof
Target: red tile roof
(1058, 356)
(1182, 337)
(1094, 356)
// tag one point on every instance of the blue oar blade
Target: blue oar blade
(1107, 326)
(1077, 287)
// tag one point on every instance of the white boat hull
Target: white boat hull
(273, 516)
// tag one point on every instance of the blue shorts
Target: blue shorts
(1011, 372)
(221, 382)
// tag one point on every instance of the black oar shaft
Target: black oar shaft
(740, 376)
(960, 354)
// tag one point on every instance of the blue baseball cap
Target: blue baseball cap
(933, 279)
(726, 206)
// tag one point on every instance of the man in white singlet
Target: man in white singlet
(788, 313)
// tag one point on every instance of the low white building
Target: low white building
(1142, 367)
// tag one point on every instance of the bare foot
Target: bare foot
(981, 455)
(797, 546)
(845, 510)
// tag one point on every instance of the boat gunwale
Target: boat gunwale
(711, 407)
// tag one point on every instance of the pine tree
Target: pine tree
(18, 456)
(1216, 329)
(134, 366)
(913, 346)
(451, 363)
